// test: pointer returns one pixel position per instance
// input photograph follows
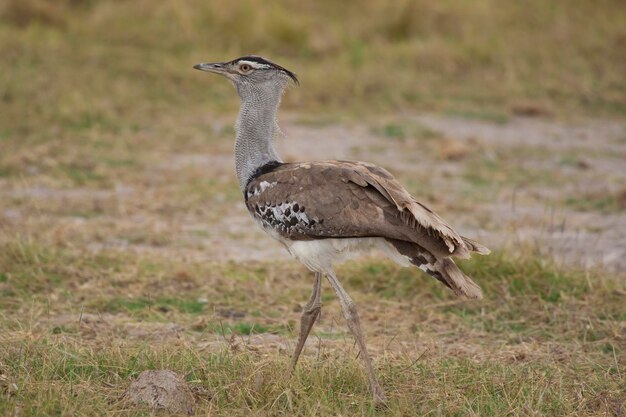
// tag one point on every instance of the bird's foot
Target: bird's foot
(292, 370)
(379, 397)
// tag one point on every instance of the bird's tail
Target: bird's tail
(443, 269)
(446, 272)
(474, 246)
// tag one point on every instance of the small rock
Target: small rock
(7, 386)
(162, 390)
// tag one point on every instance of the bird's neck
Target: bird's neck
(256, 127)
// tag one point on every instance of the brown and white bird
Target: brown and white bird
(327, 212)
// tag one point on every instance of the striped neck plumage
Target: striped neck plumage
(256, 127)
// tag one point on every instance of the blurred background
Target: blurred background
(103, 59)
(455, 97)
(119, 204)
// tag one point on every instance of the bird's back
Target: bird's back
(344, 199)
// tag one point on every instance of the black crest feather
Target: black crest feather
(261, 60)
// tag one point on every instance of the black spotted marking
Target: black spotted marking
(287, 218)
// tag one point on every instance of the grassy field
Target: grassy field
(119, 64)
(544, 342)
(124, 245)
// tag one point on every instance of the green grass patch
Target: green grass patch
(486, 176)
(405, 129)
(162, 304)
(393, 131)
(242, 328)
(602, 203)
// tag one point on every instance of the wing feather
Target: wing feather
(350, 199)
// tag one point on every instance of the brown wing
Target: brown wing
(346, 199)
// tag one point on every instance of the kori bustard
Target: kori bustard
(326, 212)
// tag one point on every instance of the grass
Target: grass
(116, 175)
(545, 340)
(235, 384)
(487, 176)
(405, 130)
(601, 202)
(112, 66)
(490, 116)
(160, 304)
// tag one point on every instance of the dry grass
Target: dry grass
(78, 326)
(116, 65)
(114, 182)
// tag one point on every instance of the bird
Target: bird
(326, 212)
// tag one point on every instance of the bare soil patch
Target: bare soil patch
(526, 181)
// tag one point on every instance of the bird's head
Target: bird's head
(251, 72)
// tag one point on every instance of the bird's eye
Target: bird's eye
(245, 67)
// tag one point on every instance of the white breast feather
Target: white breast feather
(321, 255)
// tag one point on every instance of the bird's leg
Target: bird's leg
(309, 315)
(352, 318)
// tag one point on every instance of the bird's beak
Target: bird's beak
(215, 67)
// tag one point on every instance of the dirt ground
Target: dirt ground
(559, 187)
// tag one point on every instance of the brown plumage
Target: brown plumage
(327, 212)
(344, 199)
